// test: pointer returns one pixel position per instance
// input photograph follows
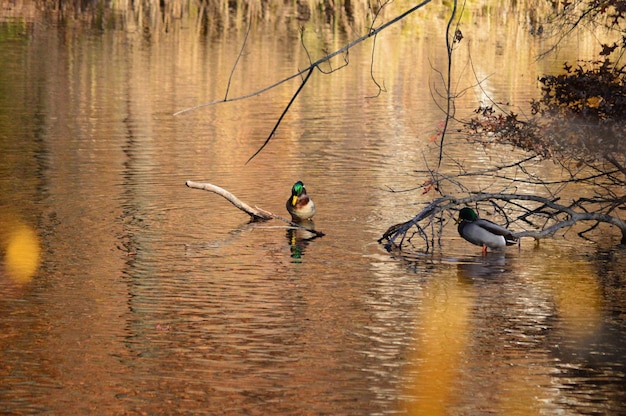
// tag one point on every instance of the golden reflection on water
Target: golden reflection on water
(21, 249)
(520, 318)
(577, 297)
(443, 337)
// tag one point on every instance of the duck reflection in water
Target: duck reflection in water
(488, 266)
(299, 238)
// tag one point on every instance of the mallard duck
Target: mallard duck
(299, 204)
(482, 232)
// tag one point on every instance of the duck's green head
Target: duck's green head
(467, 214)
(296, 191)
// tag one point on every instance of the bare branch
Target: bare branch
(254, 213)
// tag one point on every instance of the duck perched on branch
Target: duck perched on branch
(483, 232)
(299, 204)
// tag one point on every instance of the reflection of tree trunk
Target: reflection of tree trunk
(441, 349)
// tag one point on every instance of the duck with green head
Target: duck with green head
(299, 204)
(483, 232)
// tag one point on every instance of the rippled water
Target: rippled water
(151, 297)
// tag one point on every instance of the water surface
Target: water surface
(150, 297)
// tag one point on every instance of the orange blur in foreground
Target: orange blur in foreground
(21, 251)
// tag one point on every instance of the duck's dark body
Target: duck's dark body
(483, 232)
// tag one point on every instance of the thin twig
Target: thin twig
(293, 98)
(232, 72)
(449, 101)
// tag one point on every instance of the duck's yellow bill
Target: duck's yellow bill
(294, 199)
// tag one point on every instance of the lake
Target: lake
(126, 292)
